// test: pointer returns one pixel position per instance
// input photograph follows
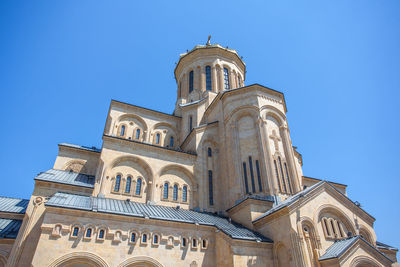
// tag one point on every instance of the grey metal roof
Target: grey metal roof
(288, 201)
(341, 246)
(66, 177)
(129, 208)
(385, 246)
(88, 148)
(255, 197)
(13, 205)
(9, 228)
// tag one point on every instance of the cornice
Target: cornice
(145, 109)
(161, 148)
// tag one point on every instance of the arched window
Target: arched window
(209, 152)
(122, 132)
(155, 239)
(194, 243)
(157, 138)
(287, 175)
(258, 176)
(128, 184)
(190, 81)
(204, 243)
(137, 134)
(283, 176)
(183, 242)
(171, 141)
(190, 123)
(75, 232)
(184, 193)
(208, 78)
(226, 78)
(277, 176)
(133, 237)
(239, 81)
(175, 192)
(144, 238)
(165, 193)
(246, 184)
(101, 234)
(117, 183)
(89, 233)
(210, 188)
(138, 186)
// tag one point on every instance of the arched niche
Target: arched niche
(141, 261)
(281, 255)
(79, 259)
(132, 122)
(330, 211)
(166, 130)
(364, 261)
(77, 166)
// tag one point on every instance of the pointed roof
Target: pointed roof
(338, 248)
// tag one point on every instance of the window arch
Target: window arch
(101, 234)
(175, 192)
(209, 152)
(158, 137)
(128, 184)
(226, 78)
(190, 81)
(138, 186)
(122, 130)
(165, 192)
(208, 78)
(184, 193)
(117, 183)
(333, 228)
(137, 135)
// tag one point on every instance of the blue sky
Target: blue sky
(338, 63)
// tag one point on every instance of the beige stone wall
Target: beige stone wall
(77, 160)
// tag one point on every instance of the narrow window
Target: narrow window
(288, 179)
(333, 228)
(180, 91)
(226, 78)
(144, 238)
(194, 242)
(165, 196)
(171, 141)
(175, 192)
(157, 138)
(117, 183)
(325, 223)
(239, 81)
(190, 123)
(133, 237)
(208, 78)
(258, 176)
(75, 232)
(137, 133)
(183, 242)
(245, 177)
(190, 81)
(253, 186)
(122, 133)
(101, 234)
(277, 176)
(138, 186)
(209, 151)
(128, 184)
(210, 188)
(89, 232)
(204, 243)
(340, 234)
(184, 193)
(283, 176)
(155, 239)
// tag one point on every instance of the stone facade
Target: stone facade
(226, 152)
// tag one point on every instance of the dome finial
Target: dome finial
(208, 41)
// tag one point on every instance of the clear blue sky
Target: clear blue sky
(338, 63)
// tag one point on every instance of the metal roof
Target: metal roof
(9, 228)
(129, 208)
(88, 148)
(255, 197)
(13, 205)
(66, 177)
(341, 246)
(385, 246)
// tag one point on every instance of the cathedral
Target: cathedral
(216, 183)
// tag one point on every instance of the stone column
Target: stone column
(197, 78)
(214, 79)
(231, 79)
(273, 183)
(202, 78)
(264, 167)
(185, 88)
(289, 155)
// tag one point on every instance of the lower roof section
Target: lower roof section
(66, 177)
(156, 212)
(13, 205)
(9, 228)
